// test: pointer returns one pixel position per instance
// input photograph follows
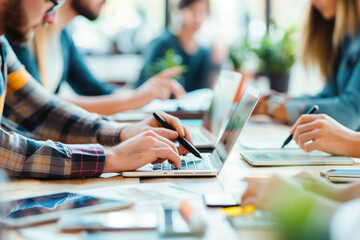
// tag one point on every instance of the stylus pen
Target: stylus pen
(312, 110)
(181, 140)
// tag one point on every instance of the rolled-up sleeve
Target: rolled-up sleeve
(23, 157)
(343, 107)
(30, 106)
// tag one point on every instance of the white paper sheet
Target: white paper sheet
(198, 100)
(146, 193)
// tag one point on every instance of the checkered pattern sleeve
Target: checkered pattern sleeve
(23, 157)
(30, 106)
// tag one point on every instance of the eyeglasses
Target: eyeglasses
(57, 5)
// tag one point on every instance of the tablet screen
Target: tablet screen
(50, 204)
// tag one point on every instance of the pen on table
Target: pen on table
(312, 110)
(194, 219)
(181, 140)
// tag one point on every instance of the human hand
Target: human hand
(261, 106)
(269, 193)
(147, 147)
(319, 185)
(152, 124)
(162, 85)
(321, 132)
(306, 177)
(292, 207)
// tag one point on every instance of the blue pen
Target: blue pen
(312, 110)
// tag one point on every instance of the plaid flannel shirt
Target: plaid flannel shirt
(32, 108)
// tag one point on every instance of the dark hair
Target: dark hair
(185, 3)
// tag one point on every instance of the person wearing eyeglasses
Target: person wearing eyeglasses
(52, 58)
(69, 141)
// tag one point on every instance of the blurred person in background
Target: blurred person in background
(201, 63)
(53, 59)
(331, 43)
(307, 207)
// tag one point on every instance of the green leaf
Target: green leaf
(277, 56)
(170, 60)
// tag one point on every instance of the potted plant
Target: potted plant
(276, 57)
(238, 54)
(170, 60)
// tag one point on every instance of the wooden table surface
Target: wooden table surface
(230, 179)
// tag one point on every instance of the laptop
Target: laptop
(212, 163)
(288, 157)
(213, 122)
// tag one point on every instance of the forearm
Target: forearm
(352, 144)
(344, 109)
(350, 193)
(281, 114)
(24, 157)
(332, 191)
(322, 187)
(111, 104)
(50, 118)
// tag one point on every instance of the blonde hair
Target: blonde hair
(39, 43)
(322, 38)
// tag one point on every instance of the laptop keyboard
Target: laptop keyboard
(189, 162)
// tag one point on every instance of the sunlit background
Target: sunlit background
(113, 44)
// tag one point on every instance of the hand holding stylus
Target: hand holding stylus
(312, 110)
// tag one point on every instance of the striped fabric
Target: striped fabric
(30, 108)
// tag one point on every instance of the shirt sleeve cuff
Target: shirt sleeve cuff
(88, 160)
(295, 108)
(109, 134)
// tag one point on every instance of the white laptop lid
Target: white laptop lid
(224, 94)
(237, 121)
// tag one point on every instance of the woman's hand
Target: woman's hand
(320, 185)
(161, 86)
(269, 193)
(321, 132)
(261, 106)
(264, 104)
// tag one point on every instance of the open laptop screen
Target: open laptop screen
(236, 123)
(224, 94)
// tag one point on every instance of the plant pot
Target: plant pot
(279, 81)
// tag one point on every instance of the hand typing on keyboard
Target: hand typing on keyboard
(189, 162)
